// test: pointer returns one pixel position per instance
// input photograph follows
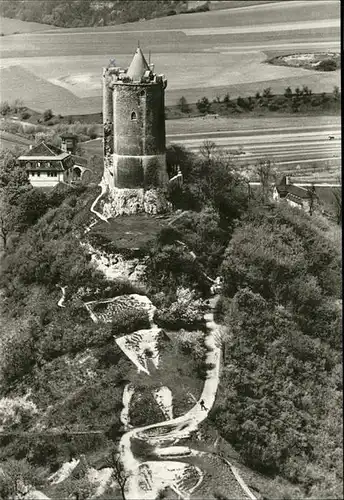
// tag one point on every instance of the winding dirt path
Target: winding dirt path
(62, 299)
(93, 210)
(164, 434)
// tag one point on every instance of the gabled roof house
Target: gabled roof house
(47, 165)
(294, 195)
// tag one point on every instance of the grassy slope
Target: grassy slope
(13, 26)
(12, 141)
(237, 4)
(19, 83)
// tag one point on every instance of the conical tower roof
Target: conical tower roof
(138, 66)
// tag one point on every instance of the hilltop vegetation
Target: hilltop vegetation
(265, 102)
(77, 13)
(280, 397)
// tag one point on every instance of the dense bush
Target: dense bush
(288, 260)
(327, 65)
(276, 391)
(14, 476)
(186, 312)
(279, 384)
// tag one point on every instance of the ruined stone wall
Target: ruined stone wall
(135, 201)
(107, 97)
(108, 129)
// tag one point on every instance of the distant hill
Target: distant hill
(80, 13)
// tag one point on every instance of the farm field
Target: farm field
(12, 141)
(299, 146)
(201, 54)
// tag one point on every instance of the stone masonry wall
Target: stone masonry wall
(139, 136)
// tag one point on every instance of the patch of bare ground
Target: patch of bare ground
(130, 232)
(208, 123)
(320, 61)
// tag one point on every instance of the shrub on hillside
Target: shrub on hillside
(25, 115)
(15, 476)
(128, 321)
(5, 108)
(47, 115)
(327, 65)
(186, 312)
(16, 412)
(203, 105)
(18, 354)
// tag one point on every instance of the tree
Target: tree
(203, 105)
(13, 178)
(119, 473)
(7, 221)
(183, 105)
(207, 149)
(266, 172)
(15, 476)
(243, 103)
(47, 115)
(288, 93)
(5, 108)
(18, 105)
(227, 100)
(327, 65)
(336, 93)
(267, 93)
(80, 489)
(306, 90)
(312, 197)
(337, 196)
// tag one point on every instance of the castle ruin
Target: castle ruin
(134, 137)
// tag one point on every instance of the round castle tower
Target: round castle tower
(134, 128)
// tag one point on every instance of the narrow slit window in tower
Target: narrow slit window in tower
(133, 116)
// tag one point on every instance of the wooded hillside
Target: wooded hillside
(75, 13)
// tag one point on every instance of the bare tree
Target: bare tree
(266, 172)
(207, 149)
(183, 105)
(119, 474)
(313, 198)
(337, 196)
(18, 105)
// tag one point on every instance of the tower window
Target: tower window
(133, 116)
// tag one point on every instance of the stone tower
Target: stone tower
(134, 133)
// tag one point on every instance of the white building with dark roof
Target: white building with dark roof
(48, 165)
(294, 195)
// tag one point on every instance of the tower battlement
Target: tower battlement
(134, 126)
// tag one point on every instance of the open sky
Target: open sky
(201, 54)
